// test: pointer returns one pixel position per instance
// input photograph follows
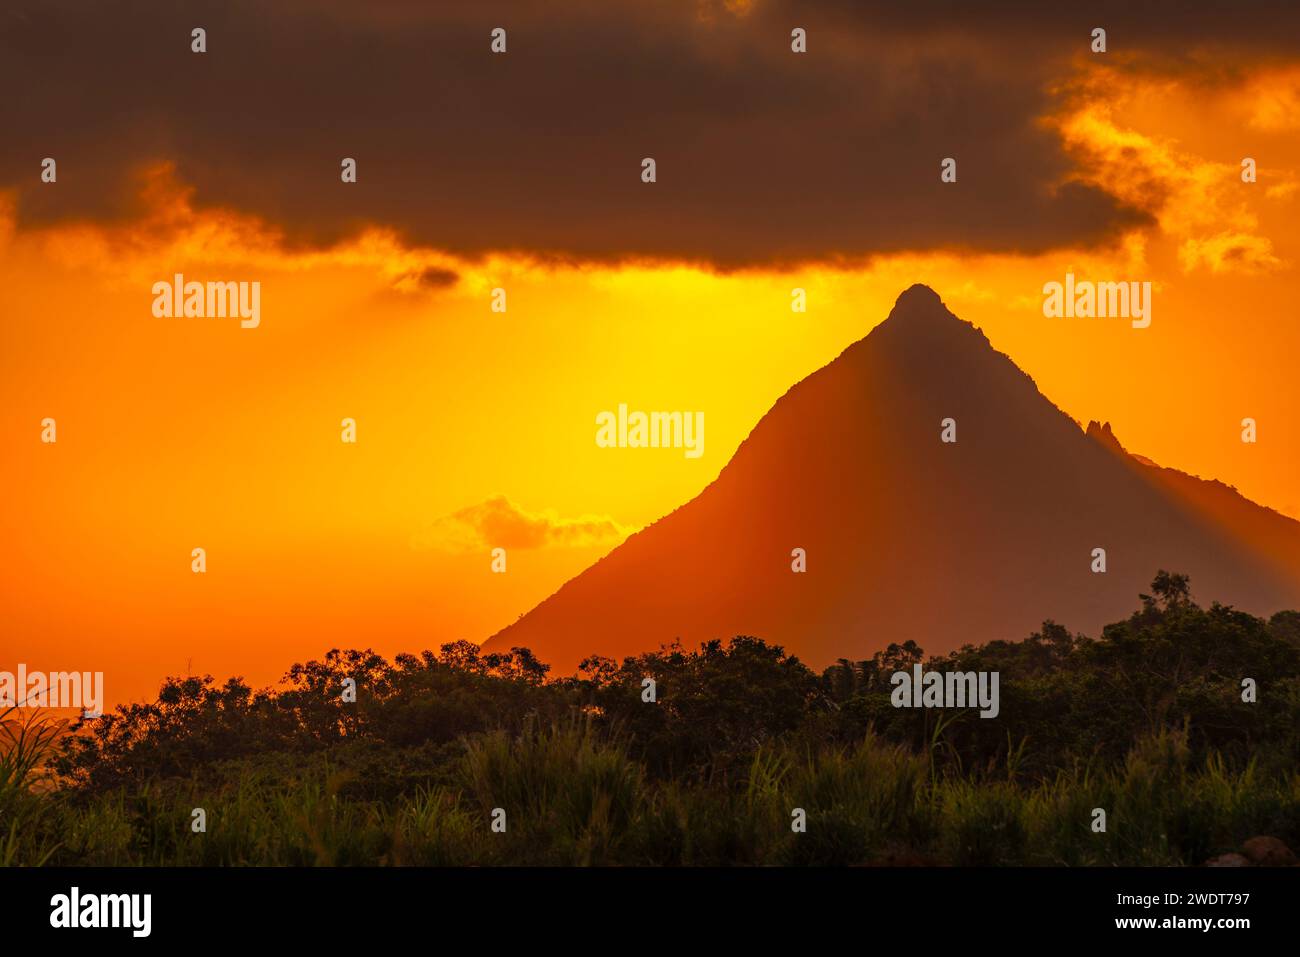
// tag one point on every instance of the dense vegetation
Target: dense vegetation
(1146, 722)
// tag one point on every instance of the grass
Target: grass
(26, 741)
(574, 796)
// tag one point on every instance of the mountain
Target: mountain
(910, 537)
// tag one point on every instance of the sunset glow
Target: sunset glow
(176, 433)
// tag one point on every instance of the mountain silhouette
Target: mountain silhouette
(910, 537)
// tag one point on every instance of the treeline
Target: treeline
(744, 756)
(1067, 701)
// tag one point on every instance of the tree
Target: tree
(1172, 590)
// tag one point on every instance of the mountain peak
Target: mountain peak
(920, 320)
(919, 306)
(918, 296)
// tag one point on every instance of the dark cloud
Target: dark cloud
(763, 156)
(436, 277)
(1164, 27)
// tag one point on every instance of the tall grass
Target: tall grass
(569, 795)
(574, 796)
(26, 742)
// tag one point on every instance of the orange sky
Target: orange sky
(177, 433)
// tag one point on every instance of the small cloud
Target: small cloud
(1229, 252)
(427, 279)
(499, 523)
(435, 277)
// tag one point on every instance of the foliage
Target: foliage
(1146, 721)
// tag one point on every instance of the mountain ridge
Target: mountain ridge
(998, 526)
